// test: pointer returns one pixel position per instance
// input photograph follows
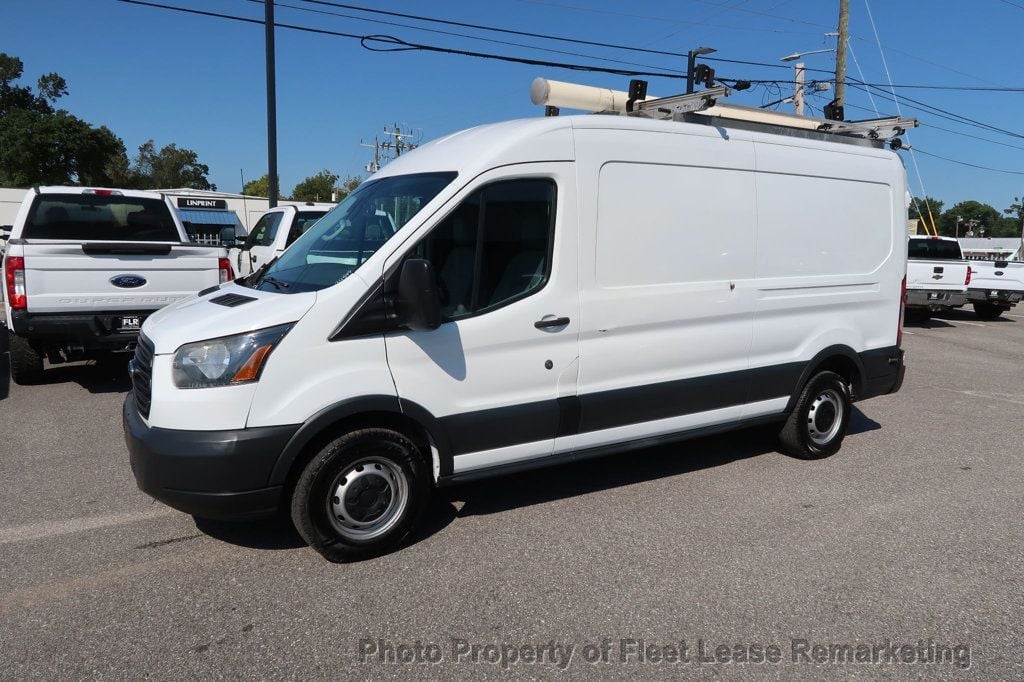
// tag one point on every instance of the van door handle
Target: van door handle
(553, 322)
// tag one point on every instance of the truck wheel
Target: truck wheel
(26, 362)
(988, 311)
(817, 425)
(361, 495)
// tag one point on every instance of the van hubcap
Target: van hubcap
(825, 417)
(367, 498)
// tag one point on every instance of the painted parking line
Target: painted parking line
(47, 529)
(1012, 315)
(973, 324)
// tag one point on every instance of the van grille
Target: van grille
(142, 375)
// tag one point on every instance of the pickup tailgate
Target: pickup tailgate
(939, 275)
(998, 276)
(99, 276)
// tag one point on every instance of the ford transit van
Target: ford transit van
(520, 294)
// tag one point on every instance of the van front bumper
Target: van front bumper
(210, 474)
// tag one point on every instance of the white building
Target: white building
(992, 248)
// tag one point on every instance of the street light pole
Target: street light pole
(691, 65)
(272, 189)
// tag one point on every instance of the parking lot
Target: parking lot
(910, 535)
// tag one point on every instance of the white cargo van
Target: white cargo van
(557, 288)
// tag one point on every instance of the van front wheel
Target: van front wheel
(817, 425)
(361, 495)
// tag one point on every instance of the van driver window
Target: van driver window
(494, 248)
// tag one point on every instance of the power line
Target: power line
(972, 165)
(455, 34)
(385, 43)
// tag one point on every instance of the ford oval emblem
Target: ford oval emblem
(128, 281)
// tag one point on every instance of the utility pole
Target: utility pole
(268, 27)
(798, 93)
(374, 165)
(399, 144)
(842, 39)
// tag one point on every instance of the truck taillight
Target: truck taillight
(226, 273)
(14, 276)
(969, 272)
(903, 307)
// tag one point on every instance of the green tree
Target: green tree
(317, 187)
(921, 205)
(170, 167)
(1015, 213)
(348, 185)
(983, 217)
(39, 145)
(260, 187)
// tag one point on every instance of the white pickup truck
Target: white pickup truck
(937, 274)
(85, 267)
(996, 286)
(273, 233)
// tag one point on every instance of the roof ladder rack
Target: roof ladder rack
(676, 106)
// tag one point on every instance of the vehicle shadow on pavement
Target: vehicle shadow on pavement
(627, 468)
(109, 376)
(918, 322)
(257, 534)
(969, 316)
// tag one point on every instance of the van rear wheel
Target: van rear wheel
(817, 425)
(361, 495)
(26, 362)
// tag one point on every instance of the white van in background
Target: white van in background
(557, 288)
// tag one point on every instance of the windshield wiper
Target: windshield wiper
(275, 281)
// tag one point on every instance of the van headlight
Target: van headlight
(226, 361)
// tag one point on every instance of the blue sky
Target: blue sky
(199, 81)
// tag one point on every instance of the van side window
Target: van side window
(264, 231)
(493, 249)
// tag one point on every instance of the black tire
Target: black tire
(809, 432)
(332, 495)
(988, 311)
(26, 362)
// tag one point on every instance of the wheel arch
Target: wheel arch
(840, 359)
(382, 411)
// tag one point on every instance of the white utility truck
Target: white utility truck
(85, 267)
(937, 274)
(557, 288)
(995, 287)
(273, 233)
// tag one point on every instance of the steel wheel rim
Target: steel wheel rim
(825, 417)
(367, 498)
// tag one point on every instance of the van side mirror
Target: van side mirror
(227, 237)
(418, 304)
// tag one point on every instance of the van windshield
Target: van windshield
(337, 244)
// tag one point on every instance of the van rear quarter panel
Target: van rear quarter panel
(831, 249)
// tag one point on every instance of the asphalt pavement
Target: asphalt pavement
(901, 556)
